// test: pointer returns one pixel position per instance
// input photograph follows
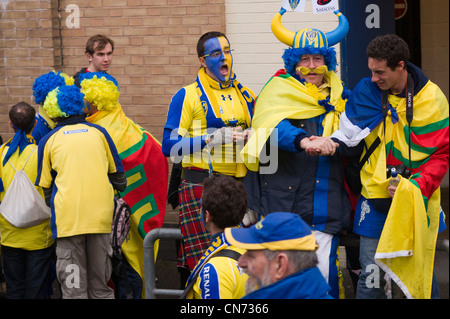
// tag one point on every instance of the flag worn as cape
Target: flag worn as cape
(146, 169)
(407, 244)
(284, 97)
(410, 227)
(363, 119)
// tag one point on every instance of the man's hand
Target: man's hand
(238, 134)
(250, 218)
(392, 190)
(221, 136)
(319, 146)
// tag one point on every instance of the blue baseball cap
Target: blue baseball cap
(277, 231)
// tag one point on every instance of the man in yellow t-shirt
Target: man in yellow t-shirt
(23, 248)
(79, 167)
(217, 274)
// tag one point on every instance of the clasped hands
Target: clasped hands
(226, 135)
(319, 145)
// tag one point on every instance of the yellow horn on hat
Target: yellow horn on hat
(281, 33)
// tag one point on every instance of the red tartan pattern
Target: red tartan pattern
(195, 236)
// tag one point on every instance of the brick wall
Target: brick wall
(434, 40)
(155, 50)
(26, 51)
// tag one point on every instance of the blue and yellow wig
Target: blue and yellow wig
(46, 83)
(64, 101)
(100, 89)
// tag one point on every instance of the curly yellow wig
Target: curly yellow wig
(101, 90)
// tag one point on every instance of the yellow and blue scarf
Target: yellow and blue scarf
(205, 84)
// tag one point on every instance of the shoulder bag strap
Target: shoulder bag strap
(409, 110)
(369, 152)
(372, 148)
(26, 162)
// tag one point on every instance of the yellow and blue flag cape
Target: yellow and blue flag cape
(284, 97)
(146, 169)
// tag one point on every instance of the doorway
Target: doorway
(407, 26)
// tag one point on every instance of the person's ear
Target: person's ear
(202, 61)
(280, 266)
(208, 217)
(401, 65)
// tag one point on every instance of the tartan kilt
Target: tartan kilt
(195, 236)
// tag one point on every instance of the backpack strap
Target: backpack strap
(369, 152)
(223, 253)
(228, 253)
(409, 110)
(26, 162)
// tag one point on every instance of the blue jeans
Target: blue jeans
(371, 279)
(27, 272)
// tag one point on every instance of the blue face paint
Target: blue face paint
(218, 59)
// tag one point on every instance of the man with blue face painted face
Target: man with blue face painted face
(217, 60)
(205, 130)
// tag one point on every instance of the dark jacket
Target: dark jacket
(76, 77)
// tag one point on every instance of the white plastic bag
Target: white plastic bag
(22, 205)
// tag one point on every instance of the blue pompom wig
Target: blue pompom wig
(64, 101)
(46, 83)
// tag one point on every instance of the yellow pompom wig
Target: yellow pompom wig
(100, 89)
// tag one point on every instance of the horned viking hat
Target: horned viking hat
(309, 41)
